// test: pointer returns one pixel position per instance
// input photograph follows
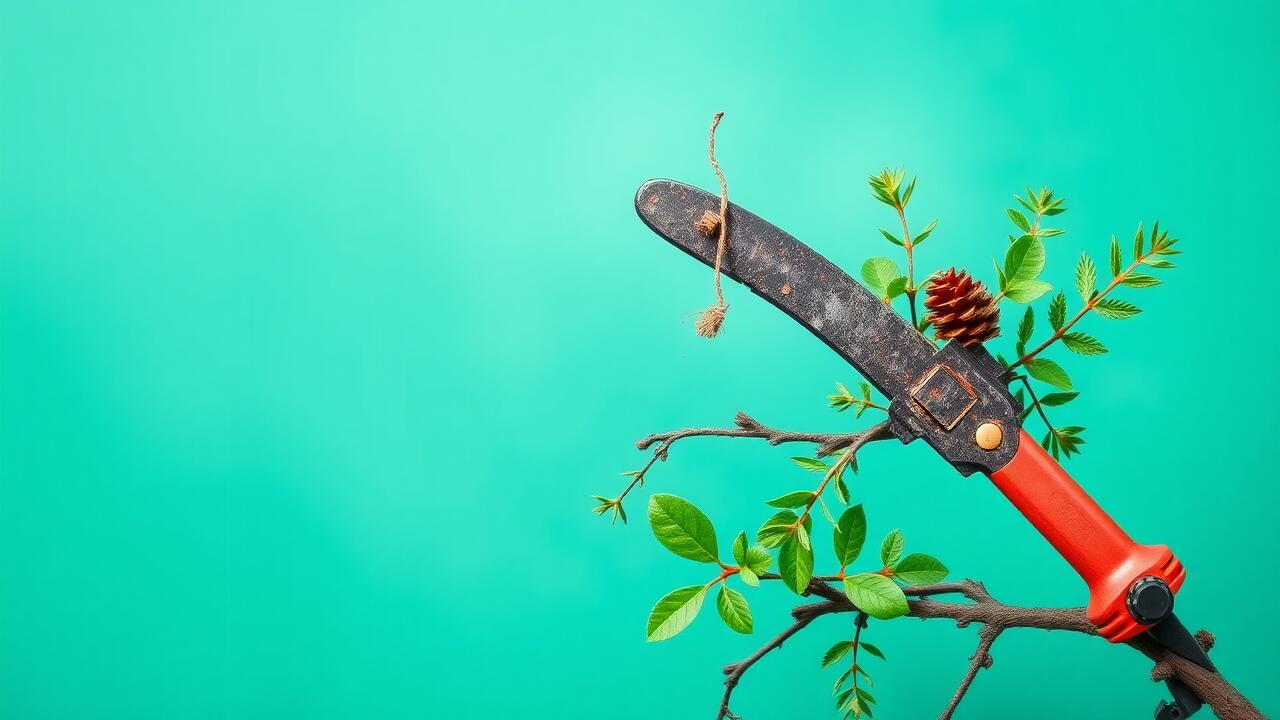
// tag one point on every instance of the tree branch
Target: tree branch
(803, 615)
(980, 660)
(1225, 700)
(995, 617)
(747, 427)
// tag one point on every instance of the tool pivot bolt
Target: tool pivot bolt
(1150, 600)
(988, 436)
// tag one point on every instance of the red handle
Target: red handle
(1103, 554)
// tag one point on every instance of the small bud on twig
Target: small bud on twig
(1205, 639)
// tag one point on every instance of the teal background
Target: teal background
(321, 321)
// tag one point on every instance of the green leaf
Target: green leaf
(1055, 399)
(674, 612)
(1058, 310)
(734, 610)
(842, 489)
(866, 696)
(795, 564)
(884, 186)
(1116, 258)
(1068, 439)
(872, 649)
(1116, 309)
(1078, 342)
(925, 233)
(1000, 274)
(811, 464)
(1027, 326)
(776, 529)
(1139, 280)
(1048, 371)
(1157, 263)
(896, 287)
(740, 548)
(802, 536)
(891, 548)
(878, 272)
(1025, 259)
(840, 681)
(1137, 243)
(849, 535)
(890, 237)
(752, 561)
(876, 595)
(920, 569)
(835, 652)
(682, 528)
(826, 512)
(758, 559)
(798, 498)
(1025, 291)
(1086, 277)
(1019, 219)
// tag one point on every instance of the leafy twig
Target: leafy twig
(996, 617)
(881, 273)
(747, 427)
(843, 399)
(1066, 440)
(1160, 245)
(837, 469)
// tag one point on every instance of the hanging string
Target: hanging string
(710, 320)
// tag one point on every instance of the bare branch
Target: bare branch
(996, 617)
(1227, 702)
(803, 615)
(980, 660)
(748, 427)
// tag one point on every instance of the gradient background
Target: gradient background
(321, 321)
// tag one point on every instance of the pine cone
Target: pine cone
(961, 309)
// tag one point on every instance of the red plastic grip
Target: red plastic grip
(1090, 541)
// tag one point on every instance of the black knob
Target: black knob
(1150, 600)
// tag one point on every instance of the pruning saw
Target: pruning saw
(957, 400)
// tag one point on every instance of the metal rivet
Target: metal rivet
(988, 436)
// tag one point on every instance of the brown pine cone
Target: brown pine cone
(961, 309)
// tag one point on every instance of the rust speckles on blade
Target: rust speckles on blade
(855, 323)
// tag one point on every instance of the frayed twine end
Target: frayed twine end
(709, 322)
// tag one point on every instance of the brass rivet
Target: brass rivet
(988, 436)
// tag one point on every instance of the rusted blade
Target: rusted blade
(859, 326)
